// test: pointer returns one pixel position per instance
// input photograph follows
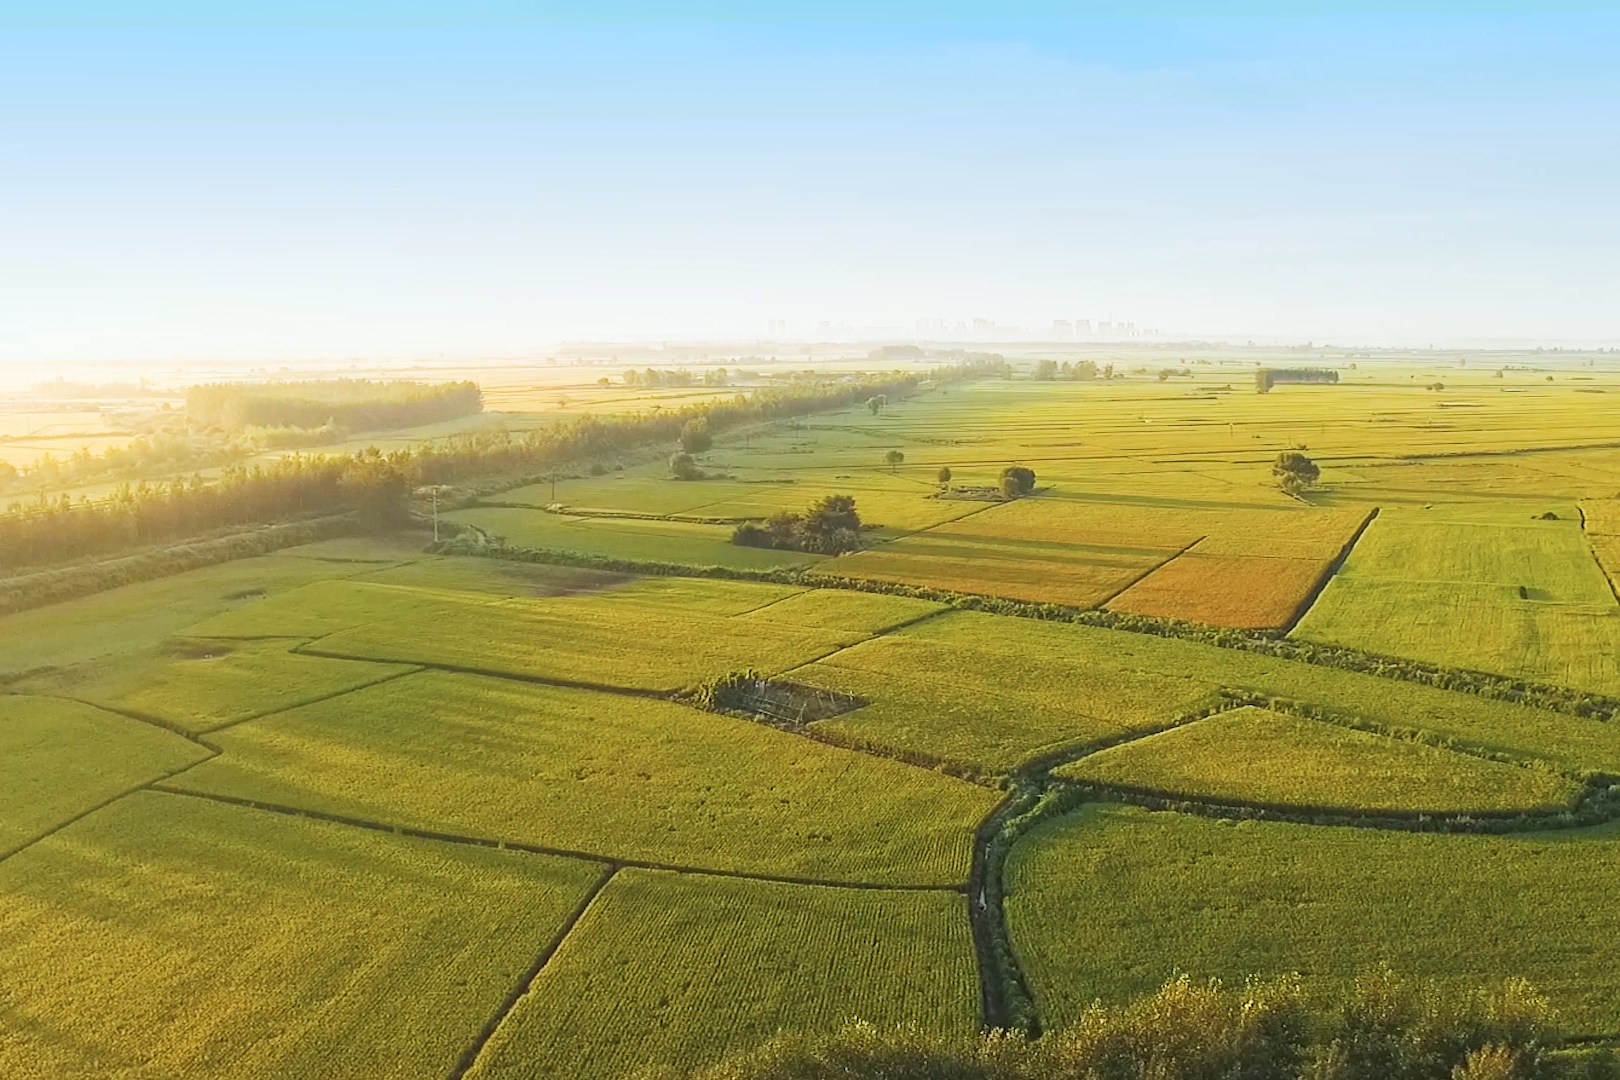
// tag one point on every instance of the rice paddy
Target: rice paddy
(357, 810)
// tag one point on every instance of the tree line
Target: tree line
(350, 404)
(1384, 1028)
(377, 486)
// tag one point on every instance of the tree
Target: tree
(944, 475)
(682, 466)
(1294, 471)
(894, 458)
(695, 437)
(1017, 480)
(1046, 370)
(875, 405)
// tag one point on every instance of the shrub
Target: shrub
(829, 527)
(1387, 1029)
(682, 466)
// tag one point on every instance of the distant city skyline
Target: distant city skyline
(339, 182)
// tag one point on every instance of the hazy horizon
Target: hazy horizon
(301, 186)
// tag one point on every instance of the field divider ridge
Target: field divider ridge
(1149, 572)
(487, 673)
(1550, 696)
(469, 1056)
(414, 669)
(1331, 571)
(145, 785)
(527, 848)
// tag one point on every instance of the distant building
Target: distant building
(778, 327)
(1062, 328)
(1082, 326)
(931, 326)
(1105, 328)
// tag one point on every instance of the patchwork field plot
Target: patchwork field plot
(651, 540)
(1111, 901)
(1176, 558)
(583, 638)
(172, 936)
(1571, 743)
(841, 610)
(1256, 756)
(1481, 587)
(59, 759)
(149, 612)
(651, 975)
(1249, 591)
(616, 776)
(199, 685)
(987, 693)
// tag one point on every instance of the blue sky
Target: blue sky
(186, 180)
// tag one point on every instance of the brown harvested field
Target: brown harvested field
(1251, 592)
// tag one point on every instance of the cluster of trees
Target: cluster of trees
(1016, 481)
(167, 451)
(47, 530)
(1295, 472)
(655, 379)
(1386, 1028)
(350, 404)
(1266, 378)
(1080, 371)
(830, 527)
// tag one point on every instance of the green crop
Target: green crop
(678, 970)
(615, 776)
(1256, 756)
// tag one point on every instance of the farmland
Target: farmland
(1109, 902)
(813, 957)
(1253, 756)
(378, 807)
(616, 777)
(205, 940)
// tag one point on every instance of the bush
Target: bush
(1385, 1029)
(682, 466)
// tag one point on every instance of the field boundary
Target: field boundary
(1332, 571)
(543, 849)
(1549, 696)
(1149, 572)
(469, 1056)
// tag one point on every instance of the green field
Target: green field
(614, 776)
(987, 693)
(199, 685)
(169, 936)
(649, 540)
(345, 810)
(1110, 902)
(1252, 756)
(677, 970)
(1482, 587)
(59, 759)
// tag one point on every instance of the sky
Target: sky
(187, 180)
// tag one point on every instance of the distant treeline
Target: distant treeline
(377, 486)
(351, 404)
(1385, 1028)
(653, 378)
(1266, 378)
